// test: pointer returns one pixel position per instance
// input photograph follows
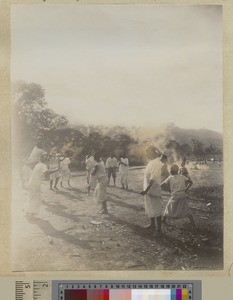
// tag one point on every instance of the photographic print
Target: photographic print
(117, 137)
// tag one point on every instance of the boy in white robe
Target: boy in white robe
(152, 188)
(64, 169)
(123, 171)
(36, 154)
(90, 164)
(34, 186)
(102, 183)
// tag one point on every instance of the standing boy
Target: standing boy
(111, 165)
(152, 188)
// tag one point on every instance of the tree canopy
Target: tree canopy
(31, 116)
(34, 121)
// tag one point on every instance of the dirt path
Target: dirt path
(69, 234)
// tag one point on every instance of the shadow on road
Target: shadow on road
(49, 230)
(138, 230)
(74, 197)
(163, 239)
(58, 209)
(123, 204)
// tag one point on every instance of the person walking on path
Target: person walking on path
(111, 165)
(64, 169)
(36, 154)
(54, 169)
(102, 182)
(91, 180)
(177, 207)
(34, 186)
(123, 171)
(152, 188)
(183, 170)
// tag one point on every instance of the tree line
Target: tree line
(33, 120)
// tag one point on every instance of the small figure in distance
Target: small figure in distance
(64, 169)
(100, 174)
(124, 171)
(54, 169)
(91, 180)
(111, 165)
(183, 169)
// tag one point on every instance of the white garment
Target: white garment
(177, 206)
(34, 203)
(153, 172)
(37, 175)
(122, 168)
(35, 155)
(177, 185)
(102, 182)
(153, 205)
(90, 163)
(101, 171)
(64, 168)
(111, 162)
(53, 166)
(53, 163)
(64, 164)
(101, 189)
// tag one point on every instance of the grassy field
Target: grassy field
(69, 234)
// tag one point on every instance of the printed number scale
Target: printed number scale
(33, 290)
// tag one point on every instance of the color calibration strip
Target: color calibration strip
(108, 290)
(125, 291)
(134, 294)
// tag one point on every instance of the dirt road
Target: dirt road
(69, 234)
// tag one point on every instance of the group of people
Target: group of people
(157, 177)
(111, 167)
(100, 174)
(38, 166)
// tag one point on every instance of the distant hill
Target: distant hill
(162, 134)
(159, 134)
(206, 136)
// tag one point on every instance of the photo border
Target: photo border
(5, 150)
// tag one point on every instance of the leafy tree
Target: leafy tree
(214, 151)
(174, 149)
(31, 117)
(185, 150)
(198, 149)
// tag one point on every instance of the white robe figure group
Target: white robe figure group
(98, 179)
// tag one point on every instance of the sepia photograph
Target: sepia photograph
(117, 137)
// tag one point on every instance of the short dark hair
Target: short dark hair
(163, 157)
(97, 156)
(183, 163)
(174, 169)
(152, 150)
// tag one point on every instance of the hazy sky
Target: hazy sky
(123, 64)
